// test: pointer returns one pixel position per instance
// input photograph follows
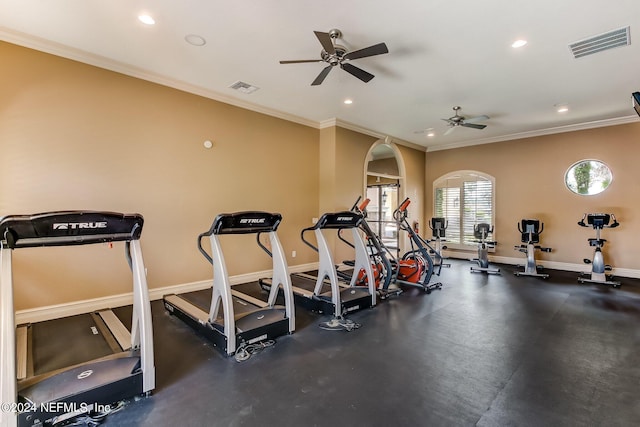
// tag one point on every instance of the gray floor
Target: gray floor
(484, 350)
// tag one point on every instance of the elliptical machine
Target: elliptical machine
(530, 230)
(481, 232)
(598, 268)
(416, 267)
(438, 228)
(383, 262)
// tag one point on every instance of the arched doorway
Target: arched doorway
(384, 179)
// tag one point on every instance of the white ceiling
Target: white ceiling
(441, 54)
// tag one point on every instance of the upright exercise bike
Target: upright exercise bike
(481, 232)
(530, 230)
(438, 228)
(598, 221)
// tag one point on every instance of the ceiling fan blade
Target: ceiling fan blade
(476, 119)
(474, 126)
(377, 49)
(451, 129)
(325, 41)
(357, 72)
(300, 61)
(322, 75)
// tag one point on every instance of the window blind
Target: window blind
(478, 206)
(463, 198)
(447, 202)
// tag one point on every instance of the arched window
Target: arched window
(464, 199)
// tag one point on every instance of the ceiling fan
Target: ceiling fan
(458, 120)
(337, 55)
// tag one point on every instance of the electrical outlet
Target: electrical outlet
(314, 220)
(293, 254)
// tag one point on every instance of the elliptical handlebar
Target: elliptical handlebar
(362, 208)
(403, 206)
(355, 205)
(400, 213)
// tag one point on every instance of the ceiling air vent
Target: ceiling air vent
(243, 87)
(615, 38)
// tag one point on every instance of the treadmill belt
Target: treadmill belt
(65, 342)
(202, 298)
(309, 284)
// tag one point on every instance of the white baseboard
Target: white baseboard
(57, 311)
(551, 265)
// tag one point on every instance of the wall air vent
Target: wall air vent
(609, 40)
(243, 87)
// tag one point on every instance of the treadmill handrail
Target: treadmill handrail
(66, 228)
(306, 242)
(334, 220)
(201, 249)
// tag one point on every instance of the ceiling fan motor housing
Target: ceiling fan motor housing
(336, 58)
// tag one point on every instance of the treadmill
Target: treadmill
(341, 297)
(37, 398)
(245, 319)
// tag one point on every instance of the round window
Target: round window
(588, 177)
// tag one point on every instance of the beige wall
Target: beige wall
(74, 136)
(529, 177)
(414, 163)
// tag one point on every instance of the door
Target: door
(384, 201)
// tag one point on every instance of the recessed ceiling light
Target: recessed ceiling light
(195, 40)
(348, 101)
(518, 43)
(431, 134)
(146, 19)
(561, 108)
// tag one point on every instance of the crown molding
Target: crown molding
(539, 132)
(356, 128)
